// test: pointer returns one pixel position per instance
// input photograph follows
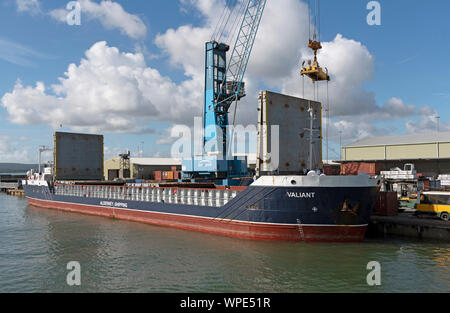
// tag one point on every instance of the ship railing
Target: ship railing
(171, 195)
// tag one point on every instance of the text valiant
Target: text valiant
(301, 195)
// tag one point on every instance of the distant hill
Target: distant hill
(16, 167)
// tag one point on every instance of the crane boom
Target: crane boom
(224, 85)
(242, 49)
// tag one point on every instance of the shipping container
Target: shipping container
(331, 170)
(78, 156)
(355, 168)
(283, 145)
(157, 175)
(387, 204)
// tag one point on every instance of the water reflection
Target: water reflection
(121, 256)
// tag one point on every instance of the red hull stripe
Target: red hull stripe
(239, 229)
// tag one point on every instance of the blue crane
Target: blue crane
(224, 85)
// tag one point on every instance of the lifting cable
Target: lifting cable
(223, 22)
(232, 129)
(303, 82)
(318, 19)
(315, 20)
(227, 21)
(219, 24)
(328, 118)
(309, 19)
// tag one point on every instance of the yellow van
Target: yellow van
(435, 202)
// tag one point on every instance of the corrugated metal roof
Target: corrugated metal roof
(403, 139)
(330, 162)
(155, 161)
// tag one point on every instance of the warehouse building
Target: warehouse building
(144, 168)
(430, 154)
(139, 168)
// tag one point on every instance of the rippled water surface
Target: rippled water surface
(118, 256)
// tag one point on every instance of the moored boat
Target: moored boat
(309, 208)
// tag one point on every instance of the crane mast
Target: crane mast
(224, 85)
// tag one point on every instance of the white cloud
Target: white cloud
(110, 153)
(285, 22)
(350, 65)
(396, 108)
(31, 6)
(282, 34)
(108, 91)
(187, 54)
(110, 14)
(352, 130)
(280, 47)
(12, 152)
(428, 122)
(353, 108)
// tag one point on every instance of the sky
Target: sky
(133, 70)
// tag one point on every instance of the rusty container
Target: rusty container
(355, 168)
(157, 175)
(331, 170)
(387, 204)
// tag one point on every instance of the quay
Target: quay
(4, 186)
(16, 192)
(11, 184)
(409, 225)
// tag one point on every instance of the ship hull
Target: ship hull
(306, 214)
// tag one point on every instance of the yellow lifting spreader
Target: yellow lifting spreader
(314, 71)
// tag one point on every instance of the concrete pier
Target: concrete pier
(407, 224)
(16, 192)
(8, 185)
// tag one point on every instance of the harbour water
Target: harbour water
(119, 256)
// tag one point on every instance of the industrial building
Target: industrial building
(138, 168)
(144, 168)
(429, 152)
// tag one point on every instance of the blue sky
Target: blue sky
(408, 53)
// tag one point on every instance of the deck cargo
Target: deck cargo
(284, 131)
(78, 156)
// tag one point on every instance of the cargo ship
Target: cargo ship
(311, 208)
(286, 198)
